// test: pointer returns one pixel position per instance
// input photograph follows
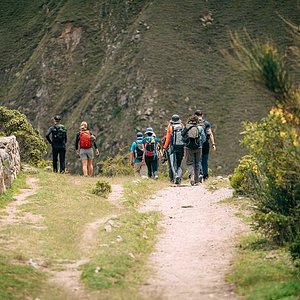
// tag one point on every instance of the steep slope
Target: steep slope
(126, 65)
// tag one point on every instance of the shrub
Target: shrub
(244, 175)
(32, 145)
(273, 142)
(102, 188)
(114, 166)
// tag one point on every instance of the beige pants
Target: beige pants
(137, 169)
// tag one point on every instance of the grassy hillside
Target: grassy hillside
(126, 65)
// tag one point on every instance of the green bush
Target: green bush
(102, 188)
(32, 145)
(244, 175)
(116, 166)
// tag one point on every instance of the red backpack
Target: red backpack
(85, 140)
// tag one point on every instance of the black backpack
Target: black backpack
(139, 152)
(59, 133)
(191, 137)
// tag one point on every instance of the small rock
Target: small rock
(98, 269)
(119, 239)
(108, 228)
(32, 263)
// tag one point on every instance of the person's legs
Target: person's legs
(197, 161)
(84, 167)
(54, 159)
(179, 156)
(204, 161)
(155, 167)
(62, 158)
(148, 161)
(190, 165)
(90, 167)
(172, 170)
(137, 169)
(171, 176)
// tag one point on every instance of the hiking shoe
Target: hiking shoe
(156, 177)
(192, 180)
(177, 180)
(201, 178)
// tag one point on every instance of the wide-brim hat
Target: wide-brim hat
(175, 119)
(139, 135)
(149, 130)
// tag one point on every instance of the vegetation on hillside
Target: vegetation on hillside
(270, 172)
(31, 144)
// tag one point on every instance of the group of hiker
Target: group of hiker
(85, 146)
(191, 140)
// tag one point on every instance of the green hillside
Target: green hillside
(127, 65)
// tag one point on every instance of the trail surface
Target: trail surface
(195, 251)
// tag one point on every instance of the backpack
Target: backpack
(192, 137)
(176, 138)
(59, 133)
(203, 124)
(150, 147)
(85, 139)
(139, 151)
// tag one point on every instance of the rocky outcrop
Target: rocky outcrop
(10, 163)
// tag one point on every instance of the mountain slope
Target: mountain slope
(127, 65)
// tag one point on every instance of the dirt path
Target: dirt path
(12, 211)
(196, 249)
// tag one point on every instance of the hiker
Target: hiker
(206, 145)
(194, 137)
(84, 144)
(137, 154)
(175, 146)
(58, 142)
(151, 148)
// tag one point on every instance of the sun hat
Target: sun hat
(149, 130)
(175, 119)
(57, 118)
(139, 135)
(198, 112)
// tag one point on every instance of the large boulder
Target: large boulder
(10, 162)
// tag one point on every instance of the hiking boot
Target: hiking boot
(177, 180)
(156, 177)
(201, 178)
(192, 180)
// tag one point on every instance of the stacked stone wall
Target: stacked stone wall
(10, 163)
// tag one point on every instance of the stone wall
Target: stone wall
(10, 162)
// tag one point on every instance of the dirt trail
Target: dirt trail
(197, 246)
(12, 210)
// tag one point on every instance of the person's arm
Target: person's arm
(66, 137)
(131, 155)
(168, 138)
(212, 140)
(77, 142)
(49, 131)
(95, 145)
